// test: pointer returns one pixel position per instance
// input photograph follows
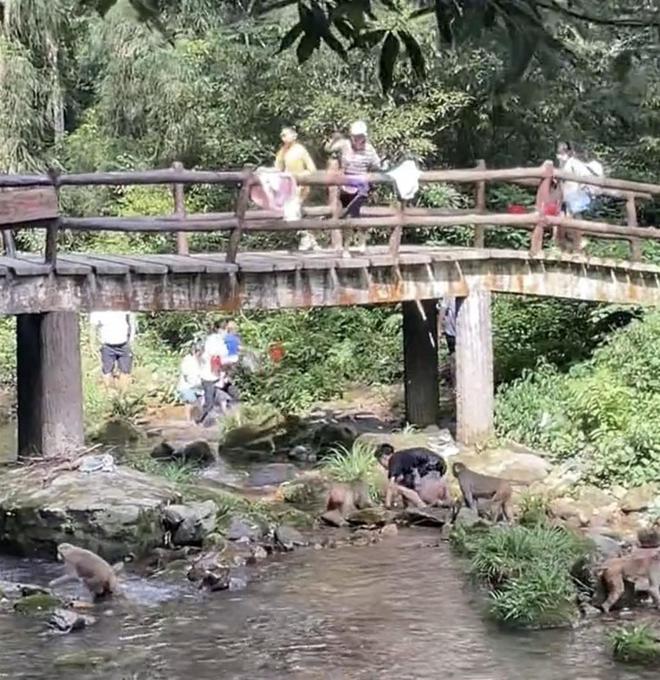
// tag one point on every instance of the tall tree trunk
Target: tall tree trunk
(56, 90)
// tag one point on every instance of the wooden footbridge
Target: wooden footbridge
(48, 291)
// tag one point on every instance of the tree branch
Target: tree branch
(627, 22)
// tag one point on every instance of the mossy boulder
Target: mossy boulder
(112, 513)
(307, 492)
(116, 431)
(37, 604)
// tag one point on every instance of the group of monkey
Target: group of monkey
(417, 476)
(420, 488)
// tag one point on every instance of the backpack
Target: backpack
(216, 364)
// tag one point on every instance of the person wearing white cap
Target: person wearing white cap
(356, 157)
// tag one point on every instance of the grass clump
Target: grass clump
(357, 464)
(175, 472)
(533, 510)
(635, 644)
(526, 570)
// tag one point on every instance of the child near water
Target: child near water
(233, 341)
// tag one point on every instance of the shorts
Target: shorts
(189, 395)
(120, 355)
(355, 201)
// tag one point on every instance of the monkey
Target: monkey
(475, 486)
(641, 564)
(432, 489)
(84, 565)
(348, 497)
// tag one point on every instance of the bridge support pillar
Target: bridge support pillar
(49, 384)
(475, 398)
(420, 360)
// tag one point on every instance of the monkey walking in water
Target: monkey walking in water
(640, 567)
(84, 565)
(475, 486)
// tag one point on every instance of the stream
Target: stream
(399, 609)
(402, 609)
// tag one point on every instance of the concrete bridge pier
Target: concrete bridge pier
(49, 384)
(475, 398)
(420, 361)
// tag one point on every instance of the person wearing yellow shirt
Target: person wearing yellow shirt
(293, 157)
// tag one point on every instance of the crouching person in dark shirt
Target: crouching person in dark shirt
(406, 470)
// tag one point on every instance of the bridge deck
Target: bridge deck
(281, 279)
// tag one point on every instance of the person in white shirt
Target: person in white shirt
(190, 380)
(576, 197)
(214, 378)
(115, 331)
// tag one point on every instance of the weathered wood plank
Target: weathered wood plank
(414, 258)
(136, 264)
(216, 264)
(22, 267)
(177, 264)
(27, 205)
(63, 265)
(100, 267)
(351, 263)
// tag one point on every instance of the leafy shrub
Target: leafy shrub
(603, 410)
(635, 644)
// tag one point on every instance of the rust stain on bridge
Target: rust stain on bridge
(269, 281)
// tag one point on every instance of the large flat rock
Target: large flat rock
(111, 513)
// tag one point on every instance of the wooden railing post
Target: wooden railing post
(52, 230)
(631, 215)
(480, 206)
(397, 232)
(542, 200)
(182, 247)
(8, 243)
(241, 208)
(336, 236)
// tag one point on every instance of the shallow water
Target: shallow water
(400, 609)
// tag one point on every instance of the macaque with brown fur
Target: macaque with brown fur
(84, 565)
(348, 497)
(641, 565)
(432, 489)
(475, 486)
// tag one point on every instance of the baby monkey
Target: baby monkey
(84, 565)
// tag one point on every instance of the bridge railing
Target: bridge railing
(33, 201)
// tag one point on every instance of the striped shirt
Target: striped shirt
(355, 161)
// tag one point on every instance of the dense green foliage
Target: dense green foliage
(527, 571)
(635, 644)
(81, 92)
(603, 411)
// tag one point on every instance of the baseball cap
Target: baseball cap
(359, 128)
